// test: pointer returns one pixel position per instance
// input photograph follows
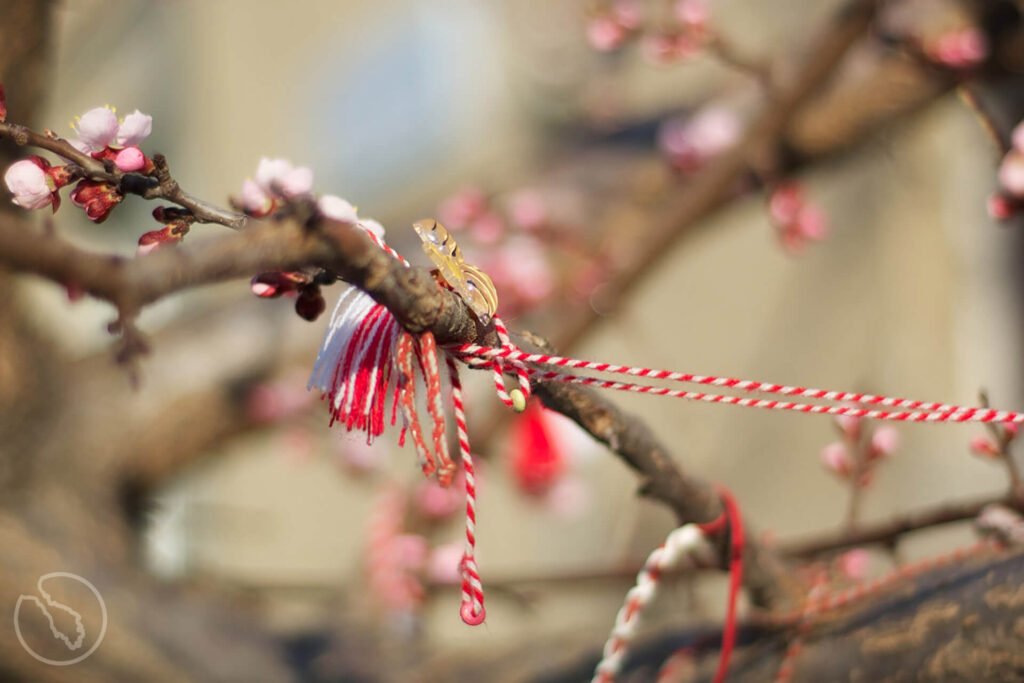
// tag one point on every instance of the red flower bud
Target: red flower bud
(310, 303)
(97, 198)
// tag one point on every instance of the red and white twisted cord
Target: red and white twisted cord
(472, 611)
(685, 546)
(498, 367)
(914, 411)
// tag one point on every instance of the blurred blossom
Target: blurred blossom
(694, 15)
(488, 228)
(528, 210)
(273, 401)
(337, 209)
(1000, 207)
(854, 564)
(291, 181)
(960, 49)
(796, 221)
(627, 13)
(444, 566)
(604, 33)
(984, 447)
(436, 502)
(462, 208)
(532, 277)
(691, 142)
(569, 497)
(254, 200)
(884, 442)
(836, 459)
(849, 425)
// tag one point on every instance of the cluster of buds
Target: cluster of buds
(35, 183)
(277, 181)
(678, 36)
(1009, 199)
(691, 142)
(309, 301)
(855, 456)
(796, 221)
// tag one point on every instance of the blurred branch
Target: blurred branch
(888, 531)
(717, 184)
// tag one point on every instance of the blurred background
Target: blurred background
(217, 494)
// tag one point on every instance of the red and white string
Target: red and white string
(898, 409)
(684, 547)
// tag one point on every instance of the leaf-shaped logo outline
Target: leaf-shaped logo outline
(79, 626)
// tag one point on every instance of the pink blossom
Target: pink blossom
(528, 210)
(627, 14)
(884, 442)
(836, 459)
(409, 552)
(130, 159)
(533, 277)
(298, 182)
(97, 128)
(254, 200)
(691, 142)
(604, 33)
(437, 503)
(445, 561)
(854, 564)
(488, 228)
(461, 208)
(29, 184)
(785, 202)
(984, 447)
(273, 401)
(694, 14)
(338, 209)
(135, 128)
(1011, 429)
(1011, 173)
(274, 175)
(812, 223)
(850, 426)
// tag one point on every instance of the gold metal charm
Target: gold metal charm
(469, 282)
